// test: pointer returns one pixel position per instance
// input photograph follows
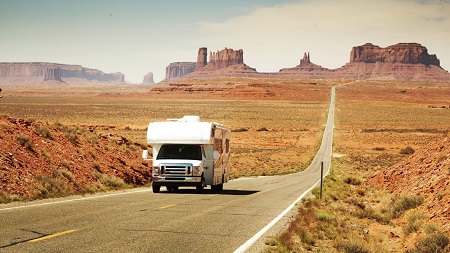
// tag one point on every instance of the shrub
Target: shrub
(24, 141)
(240, 130)
(325, 216)
(263, 129)
(437, 242)
(63, 173)
(46, 154)
(407, 151)
(400, 205)
(53, 187)
(353, 247)
(96, 166)
(414, 221)
(352, 181)
(110, 181)
(44, 132)
(5, 198)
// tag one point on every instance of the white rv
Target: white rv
(188, 152)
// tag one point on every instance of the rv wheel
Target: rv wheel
(156, 188)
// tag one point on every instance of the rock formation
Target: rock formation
(179, 69)
(148, 78)
(226, 57)
(40, 72)
(305, 61)
(202, 57)
(406, 53)
(306, 69)
(403, 61)
(53, 74)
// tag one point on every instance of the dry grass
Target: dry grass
(280, 136)
(374, 123)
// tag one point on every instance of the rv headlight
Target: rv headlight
(155, 170)
(197, 171)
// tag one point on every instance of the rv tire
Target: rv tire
(156, 188)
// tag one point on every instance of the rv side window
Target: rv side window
(178, 151)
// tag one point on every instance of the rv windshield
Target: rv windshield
(178, 151)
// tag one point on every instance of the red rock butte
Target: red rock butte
(403, 62)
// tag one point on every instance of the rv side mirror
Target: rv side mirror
(216, 155)
(145, 154)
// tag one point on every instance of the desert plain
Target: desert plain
(276, 128)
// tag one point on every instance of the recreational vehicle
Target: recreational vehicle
(188, 152)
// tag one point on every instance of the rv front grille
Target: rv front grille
(179, 169)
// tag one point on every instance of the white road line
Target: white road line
(74, 200)
(252, 240)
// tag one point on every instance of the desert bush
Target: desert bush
(414, 222)
(24, 141)
(437, 242)
(88, 190)
(66, 164)
(407, 151)
(96, 166)
(263, 129)
(379, 149)
(71, 133)
(6, 198)
(352, 181)
(52, 187)
(240, 130)
(111, 182)
(63, 173)
(4, 127)
(46, 154)
(399, 205)
(354, 246)
(325, 216)
(44, 132)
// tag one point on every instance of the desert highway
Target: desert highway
(238, 219)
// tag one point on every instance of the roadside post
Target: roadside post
(321, 179)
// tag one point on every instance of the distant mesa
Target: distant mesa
(179, 69)
(226, 62)
(148, 78)
(43, 72)
(402, 61)
(406, 53)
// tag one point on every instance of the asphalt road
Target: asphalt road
(238, 219)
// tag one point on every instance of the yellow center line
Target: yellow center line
(212, 195)
(53, 235)
(164, 207)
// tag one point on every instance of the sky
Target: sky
(136, 37)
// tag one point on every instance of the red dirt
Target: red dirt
(66, 163)
(425, 173)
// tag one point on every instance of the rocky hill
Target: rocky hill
(43, 72)
(425, 173)
(39, 160)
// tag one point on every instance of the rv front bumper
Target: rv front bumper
(176, 181)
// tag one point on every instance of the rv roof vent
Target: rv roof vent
(190, 118)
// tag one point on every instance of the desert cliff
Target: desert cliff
(43, 72)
